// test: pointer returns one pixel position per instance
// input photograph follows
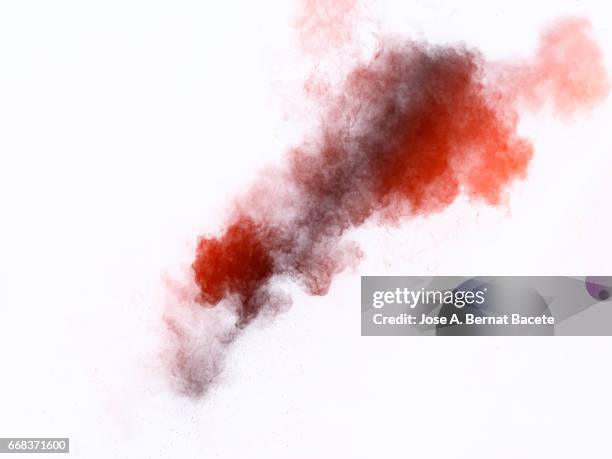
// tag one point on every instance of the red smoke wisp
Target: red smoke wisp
(410, 131)
(325, 24)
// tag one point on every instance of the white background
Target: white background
(125, 129)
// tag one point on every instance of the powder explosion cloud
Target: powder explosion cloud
(411, 130)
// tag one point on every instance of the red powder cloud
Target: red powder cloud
(411, 130)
